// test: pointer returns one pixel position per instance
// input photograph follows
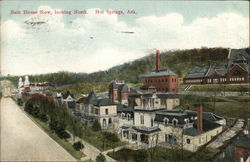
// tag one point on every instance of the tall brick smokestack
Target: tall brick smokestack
(199, 119)
(157, 61)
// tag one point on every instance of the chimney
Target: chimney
(157, 63)
(199, 119)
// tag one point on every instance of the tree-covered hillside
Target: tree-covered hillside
(179, 61)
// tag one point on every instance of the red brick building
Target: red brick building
(164, 80)
(235, 71)
(118, 91)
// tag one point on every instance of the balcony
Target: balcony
(147, 128)
(149, 108)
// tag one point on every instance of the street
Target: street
(23, 140)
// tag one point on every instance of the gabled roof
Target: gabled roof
(103, 102)
(163, 72)
(197, 72)
(91, 99)
(65, 95)
(238, 54)
(242, 141)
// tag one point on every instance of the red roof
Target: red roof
(26, 90)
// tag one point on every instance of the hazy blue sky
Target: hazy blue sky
(88, 43)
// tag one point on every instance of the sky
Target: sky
(45, 43)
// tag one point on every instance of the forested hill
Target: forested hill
(179, 61)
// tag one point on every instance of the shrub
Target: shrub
(78, 146)
(100, 158)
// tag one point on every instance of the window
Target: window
(110, 121)
(104, 123)
(171, 139)
(188, 141)
(142, 119)
(96, 111)
(166, 80)
(152, 122)
(106, 111)
(166, 120)
(175, 122)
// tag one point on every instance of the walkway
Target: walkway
(218, 142)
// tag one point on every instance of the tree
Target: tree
(96, 126)
(100, 158)
(113, 139)
(63, 134)
(140, 156)
(78, 146)
(19, 102)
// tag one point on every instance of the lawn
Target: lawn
(229, 106)
(160, 154)
(66, 145)
(96, 139)
(221, 87)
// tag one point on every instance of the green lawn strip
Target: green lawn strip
(221, 87)
(224, 109)
(160, 154)
(66, 145)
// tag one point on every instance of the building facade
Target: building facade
(164, 80)
(118, 91)
(234, 71)
(103, 110)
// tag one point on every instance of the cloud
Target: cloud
(11, 30)
(169, 31)
(95, 42)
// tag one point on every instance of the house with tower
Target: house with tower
(119, 91)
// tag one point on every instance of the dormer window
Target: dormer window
(187, 121)
(175, 122)
(166, 121)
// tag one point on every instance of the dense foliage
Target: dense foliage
(43, 108)
(179, 61)
(78, 146)
(161, 154)
(59, 120)
(101, 158)
(96, 126)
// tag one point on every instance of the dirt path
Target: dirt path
(227, 134)
(22, 140)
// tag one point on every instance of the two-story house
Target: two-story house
(103, 110)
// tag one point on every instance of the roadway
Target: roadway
(23, 140)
